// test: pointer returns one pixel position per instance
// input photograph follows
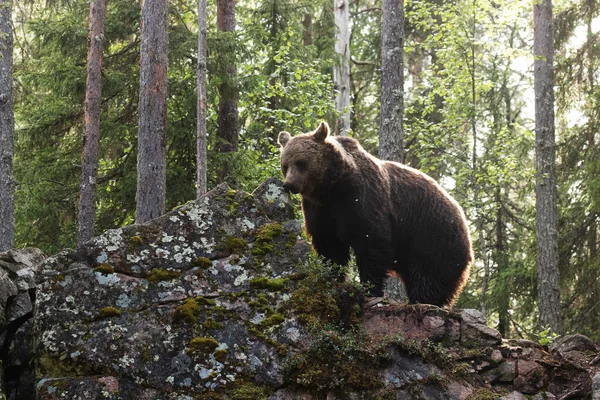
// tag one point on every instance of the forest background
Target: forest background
(468, 122)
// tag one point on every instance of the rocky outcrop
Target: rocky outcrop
(223, 299)
(18, 269)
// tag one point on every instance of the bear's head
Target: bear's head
(304, 159)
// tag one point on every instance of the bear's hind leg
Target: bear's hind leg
(424, 289)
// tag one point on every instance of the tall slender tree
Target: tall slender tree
(201, 107)
(228, 129)
(93, 95)
(391, 134)
(152, 139)
(341, 69)
(7, 129)
(545, 189)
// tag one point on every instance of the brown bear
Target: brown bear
(394, 217)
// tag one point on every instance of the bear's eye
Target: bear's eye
(301, 165)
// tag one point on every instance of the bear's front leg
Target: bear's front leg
(371, 264)
(331, 249)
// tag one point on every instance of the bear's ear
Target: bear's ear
(322, 132)
(284, 138)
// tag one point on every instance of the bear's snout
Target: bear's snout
(290, 187)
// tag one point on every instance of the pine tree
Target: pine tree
(341, 69)
(152, 141)
(201, 106)
(391, 134)
(7, 129)
(228, 129)
(546, 192)
(93, 96)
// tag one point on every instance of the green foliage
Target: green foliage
(547, 337)
(324, 296)
(336, 360)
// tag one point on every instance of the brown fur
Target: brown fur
(394, 217)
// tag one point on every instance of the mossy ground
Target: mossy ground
(339, 357)
(337, 360)
(324, 296)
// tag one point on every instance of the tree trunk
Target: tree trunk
(307, 36)
(546, 192)
(341, 69)
(151, 184)
(502, 266)
(7, 129)
(391, 134)
(93, 94)
(201, 107)
(228, 92)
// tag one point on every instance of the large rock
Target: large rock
(18, 269)
(188, 303)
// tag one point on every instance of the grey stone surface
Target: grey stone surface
(18, 269)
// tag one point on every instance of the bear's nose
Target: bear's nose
(290, 187)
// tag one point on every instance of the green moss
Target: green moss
(273, 320)
(273, 285)
(135, 240)
(260, 303)
(202, 262)
(233, 244)
(220, 355)
(59, 278)
(323, 296)
(232, 205)
(484, 394)
(105, 269)
(263, 238)
(187, 312)
(268, 232)
(146, 354)
(161, 274)
(211, 324)
(108, 312)
(203, 301)
(202, 345)
(339, 360)
(433, 352)
(251, 391)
